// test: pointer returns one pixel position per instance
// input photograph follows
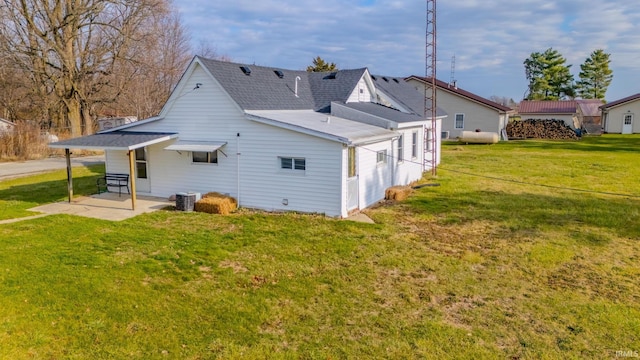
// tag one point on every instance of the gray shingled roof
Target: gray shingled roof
(117, 140)
(385, 112)
(263, 89)
(403, 93)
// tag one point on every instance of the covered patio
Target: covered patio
(127, 141)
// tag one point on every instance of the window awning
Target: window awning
(200, 146)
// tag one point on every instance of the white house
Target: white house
(466, 110)
(274, 139)
(619, 116)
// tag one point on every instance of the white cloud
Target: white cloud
(490, 38)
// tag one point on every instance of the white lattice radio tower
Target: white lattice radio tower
(430, 98)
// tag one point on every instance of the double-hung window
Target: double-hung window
(459, 121)
(401, 148)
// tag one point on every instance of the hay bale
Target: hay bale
(397, 193)
(216, 203)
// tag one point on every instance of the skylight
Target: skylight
(246, 70)
(331, 76)
(279, 73)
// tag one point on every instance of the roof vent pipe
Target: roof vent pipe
(296, 87)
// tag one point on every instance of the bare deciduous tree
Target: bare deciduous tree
(146, 82)
(71, 49)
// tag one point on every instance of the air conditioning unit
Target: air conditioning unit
(444, 134)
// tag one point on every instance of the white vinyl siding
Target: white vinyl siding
(361, 93)
(411, 169)
(116, 162)
(374, 177)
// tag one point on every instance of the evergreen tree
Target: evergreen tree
(595, 76)
(548, 75)
(319, 65)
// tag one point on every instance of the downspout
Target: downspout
(394, 162)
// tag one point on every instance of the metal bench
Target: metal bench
(113, 180)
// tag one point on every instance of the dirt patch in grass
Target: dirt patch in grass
(236, 266)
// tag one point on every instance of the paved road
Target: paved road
(10, 170)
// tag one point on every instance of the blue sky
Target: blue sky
(489, 38)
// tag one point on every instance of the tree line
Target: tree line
(65, 63)
(550, 77)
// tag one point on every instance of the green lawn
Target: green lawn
(18, 195)
(525, 250)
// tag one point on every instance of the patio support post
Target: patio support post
(132, 176)
(67, 155)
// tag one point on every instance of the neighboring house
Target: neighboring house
(619, 116)
(6, 126)
(466, 111)
(565, 110)
(274, 139)
(112, 122)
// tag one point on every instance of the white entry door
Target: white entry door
(142, 171)
(627, 124)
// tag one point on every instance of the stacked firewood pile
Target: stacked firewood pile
(540, 129)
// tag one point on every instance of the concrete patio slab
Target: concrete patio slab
(106, 206)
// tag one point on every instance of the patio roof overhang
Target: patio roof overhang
(117, 140)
